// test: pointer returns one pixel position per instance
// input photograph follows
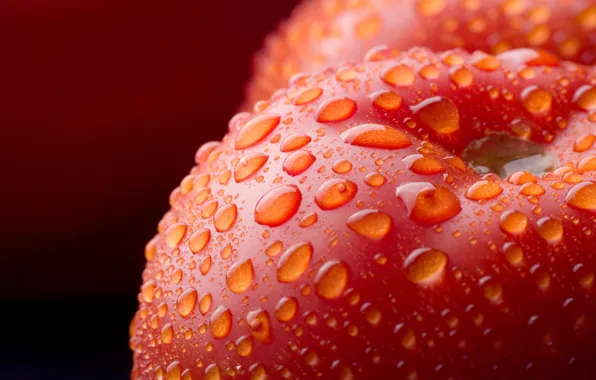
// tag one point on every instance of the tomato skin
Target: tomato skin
(388, 267)
(322, 33)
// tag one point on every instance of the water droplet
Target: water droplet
(294, 141)
(405, 336)
(369, 27)
(244, 346)
(294, 262)
(371, 314)
(423, 165)
(439, 113)
(148, 291)
(461, 76)
(240, 276)
(186, 302)
(428, 203)
(174, 234)
(278, 205)
(259, 325)
(212, 372)
(335, 193)
(174, 371)
(425, 266)
(513, 253)
(167, 333)
(371, 224)
(225, 217)
(205, 265)
(331, 280)
(221, 322)
(587, 164)
(486, 62)
(582, 196)
(308, 220)
(375, 180)
(551, 230)
(430, 7)
(513, 222)
(256, 130)
(399, 75)
(493, 291)
(199, 239)
(286, 309)
(248, 165)
(308, 95)
(584, 142)
(537, 100)
(386, 100)
(205, 303)
(342, 166)
(484, 190)
(298, 162)
(335, 109)
(376, 136)
(585, 98)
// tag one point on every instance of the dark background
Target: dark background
(102, 106)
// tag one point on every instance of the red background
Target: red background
(102, 107)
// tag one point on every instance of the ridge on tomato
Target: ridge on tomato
(323, 32)
(356, 229)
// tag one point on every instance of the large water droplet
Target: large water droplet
(259, 325)
(186, 302)
(205, 303)
(419, 164)
(256, 130)
(335, 193)
(240, 276)
(484, 190)
(298, 162)
(439, 113)
(221, 322)
(372, 224)
(331, 280)
(225, 217)
(376, 136)
(425, 266)
(294, 141)
(399, 75)
(244, 346)
(199, 239)
(428, 203)
(585, 98)
(308, 95)
(294, 262)
(286, 309)
(174, 234)
(537, 100)
(513, 222)
(278, 205)
(248, 165)
(551, 230)
(335, 109)
(582, 196)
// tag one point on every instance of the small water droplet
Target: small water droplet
(335, 193)
(551, 230)
(425, 266)
(148, 291)
(286, 309)
(331, 280)
(278, 205)
(513, 222)
(375, 180)
(205, 303)
(240, 276)
(294, 262)
(372, 224)
(376, 136)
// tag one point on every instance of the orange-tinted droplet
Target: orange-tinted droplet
(205, 303)
(244, 346)
(174, 371)
(148, 291)
(308, 95)
(584, 142)
(486, 62)
(308, 220)
(375, 180)
(438, 113)
(221, 322)
(199, 239)
(335, 109)
(399, 75)
(259, 325)
(335, 193)
(550, 230)
(240, 276)
(428, 203)
(294, 141)
(537, 100)
(248, 165)
(419, 164)
(483, 190)
(386, 100)
(461, 76)
(278, 205)
(225, 217)
(587, 164)
(425, 266)
(298, 162)
(342, 166)
(372, 224)
(331, 280)
(174, 234)
(212, 372)
(376, 136)
(582, 196)
(430, 7)
(369, 27)
(513, 222)
(186, 302)
(294, 262)
(205, 150)
(513, 253)
(286, 309)
(585, 98)
(256, 130)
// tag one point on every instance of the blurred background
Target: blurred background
(103, 104)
